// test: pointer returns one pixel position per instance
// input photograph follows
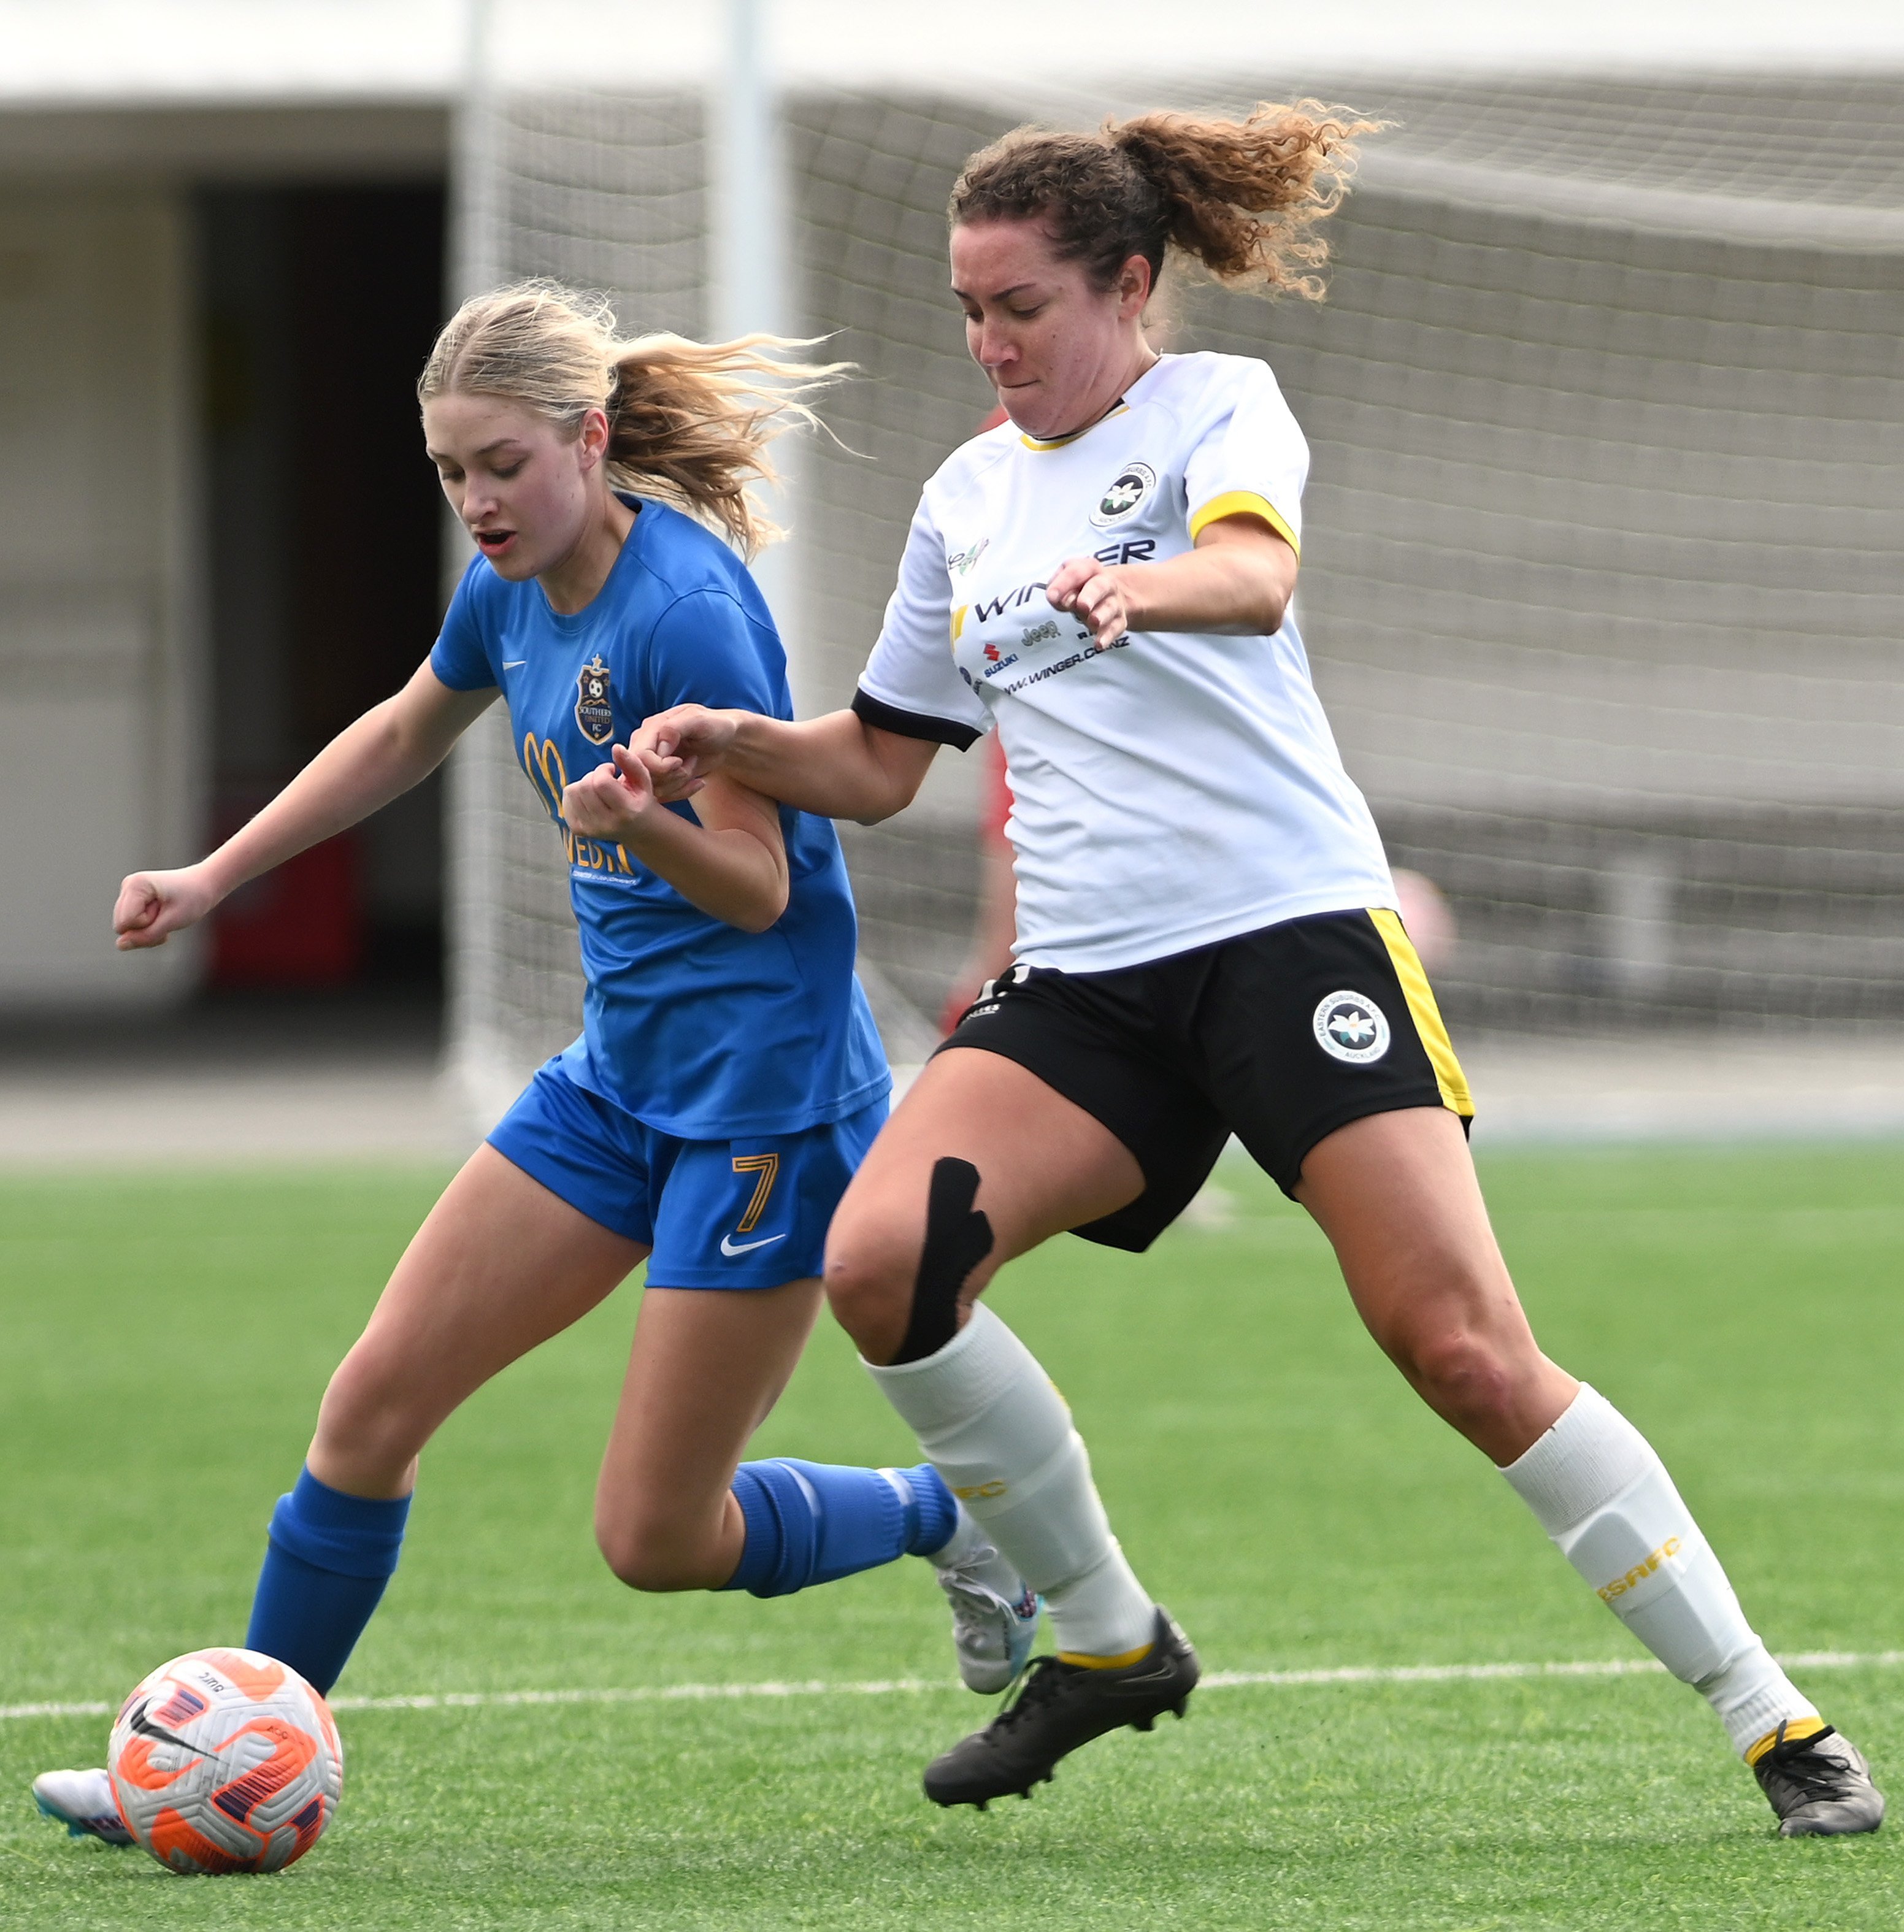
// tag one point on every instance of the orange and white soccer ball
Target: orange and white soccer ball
(226, 1761)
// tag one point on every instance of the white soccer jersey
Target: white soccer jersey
(1177, 788)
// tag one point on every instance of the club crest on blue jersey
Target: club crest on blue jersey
(594, 702)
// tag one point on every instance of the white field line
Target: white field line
(1219, 1680)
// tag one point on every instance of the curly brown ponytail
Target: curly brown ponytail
(688, 422)
(1241, 197)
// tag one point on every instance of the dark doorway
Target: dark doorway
(325, 523)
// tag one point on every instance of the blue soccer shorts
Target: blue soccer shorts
(748, 1213)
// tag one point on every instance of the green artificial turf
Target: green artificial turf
(166, 1338)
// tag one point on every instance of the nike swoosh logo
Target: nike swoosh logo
(729, 1248)
(517, 666)
(144, 1725)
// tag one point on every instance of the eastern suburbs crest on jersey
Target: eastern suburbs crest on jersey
(1126, 495)
(595, 702)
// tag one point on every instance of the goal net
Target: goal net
(1601, 577)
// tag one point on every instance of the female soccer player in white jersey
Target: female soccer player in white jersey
(1206, 938)
(727, 1079)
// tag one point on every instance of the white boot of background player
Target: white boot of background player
(995, 1612)
(82, 1801)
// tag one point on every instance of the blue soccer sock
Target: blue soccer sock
(329, 1558)
(812, 1522)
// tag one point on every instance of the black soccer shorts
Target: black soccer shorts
(1279, 1036)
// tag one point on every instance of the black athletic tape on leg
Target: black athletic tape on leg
(958, 1237)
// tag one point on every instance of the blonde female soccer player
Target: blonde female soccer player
(1207, 942)
(727, 1079)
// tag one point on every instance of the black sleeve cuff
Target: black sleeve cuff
(883, 717)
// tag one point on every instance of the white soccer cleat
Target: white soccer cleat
(992, 1630)
(82, 1801)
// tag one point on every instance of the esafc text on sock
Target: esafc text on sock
(1604, 1496)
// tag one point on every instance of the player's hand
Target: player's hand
(1098, 594)
(153, 906)
(680, 747)
(610, 801)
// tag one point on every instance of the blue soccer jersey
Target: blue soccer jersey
(694, 1027)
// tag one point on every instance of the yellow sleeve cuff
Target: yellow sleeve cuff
(1244, 503)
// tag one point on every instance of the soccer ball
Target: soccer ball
(226, 1761)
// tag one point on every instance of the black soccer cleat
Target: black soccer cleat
(1818, 1783)
(1058, 1707)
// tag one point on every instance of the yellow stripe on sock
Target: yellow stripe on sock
(1086, 1661)
(1796, 1730)
(1422, 1010)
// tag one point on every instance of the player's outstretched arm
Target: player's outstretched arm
(393, 746)
(732, 864)
(837, 766)
(1238, 579)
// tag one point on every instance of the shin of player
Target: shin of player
(998, 1431)
(1602, 1494)
(992, 1424)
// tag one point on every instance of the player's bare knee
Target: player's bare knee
(1462, 1375)
(869, 1276)
(364, 1415)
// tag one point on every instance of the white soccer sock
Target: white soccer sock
(1605, 1497)
(992, 1424)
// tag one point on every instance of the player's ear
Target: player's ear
(593, 440)
(1133, 288)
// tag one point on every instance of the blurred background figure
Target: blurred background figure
(1429, 918)
(996, 924)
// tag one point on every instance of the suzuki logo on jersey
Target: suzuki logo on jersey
(1351, 1026)
(1135, 482)
(594, 702)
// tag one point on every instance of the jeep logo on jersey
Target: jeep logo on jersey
(1351, 1026)
(594, 707)
(1135, 482)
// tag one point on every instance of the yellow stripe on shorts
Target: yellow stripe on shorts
(1423, 1011)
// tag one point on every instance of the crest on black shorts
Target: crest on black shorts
(1351, 1026)
(594, 702)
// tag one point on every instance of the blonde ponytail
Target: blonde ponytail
(688, 422)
